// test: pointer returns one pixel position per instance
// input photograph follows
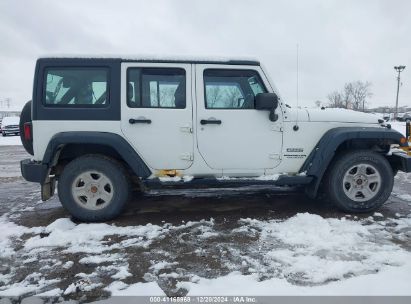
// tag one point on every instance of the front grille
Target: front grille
(11, 127)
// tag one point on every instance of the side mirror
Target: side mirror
(268, 102)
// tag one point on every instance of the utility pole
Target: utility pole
(399, 69)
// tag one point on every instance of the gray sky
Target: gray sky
(339, 41)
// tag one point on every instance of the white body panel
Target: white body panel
(247, 143)
(167, 142)
(240, 142)
(341, 115)
(44, 130)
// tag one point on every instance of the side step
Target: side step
(283, 180)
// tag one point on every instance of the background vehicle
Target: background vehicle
(10, 125)
(105, 126)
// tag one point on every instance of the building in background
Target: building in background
(7, 108)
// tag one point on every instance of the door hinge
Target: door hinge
(274, 156)
(187, 156)
(277, 128)
(186, 129)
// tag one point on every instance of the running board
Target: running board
(283, 180)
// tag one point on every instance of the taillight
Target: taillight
(27, 131)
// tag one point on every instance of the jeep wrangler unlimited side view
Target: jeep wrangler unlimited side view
(101, 127)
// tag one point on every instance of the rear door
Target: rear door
(156, 113)
(232, 135)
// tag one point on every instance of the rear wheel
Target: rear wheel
(94, 188)
(360, 181)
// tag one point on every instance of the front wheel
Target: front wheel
(360, 181)
(94, 188)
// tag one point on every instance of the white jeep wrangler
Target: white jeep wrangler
(102, 126)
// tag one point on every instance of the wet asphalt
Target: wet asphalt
(20, 202)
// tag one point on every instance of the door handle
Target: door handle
(210, 122)
(140, 120)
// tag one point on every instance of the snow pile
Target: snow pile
(10, 141)
(393, 281)
(404, 197)
(31, 283)
(9, 231)
(303, 255)
(310, 249)
(119, 288)
(87, 237)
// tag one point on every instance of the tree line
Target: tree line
(353, 96)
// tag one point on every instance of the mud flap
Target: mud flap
(48, 188)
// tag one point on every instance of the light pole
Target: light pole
(399, 69)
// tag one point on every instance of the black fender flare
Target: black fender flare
(115, 141)
(321, 156)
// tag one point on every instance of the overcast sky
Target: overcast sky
(339, 41)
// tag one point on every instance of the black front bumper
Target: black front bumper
(33, 171)
(405, 161)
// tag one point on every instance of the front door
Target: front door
(231, 133)
(156, 113)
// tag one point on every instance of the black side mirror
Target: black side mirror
(268, 102)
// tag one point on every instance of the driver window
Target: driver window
(75, 86)
(231, 89)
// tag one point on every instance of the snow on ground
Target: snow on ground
(10, 140)
(304, 254)
(393, 281)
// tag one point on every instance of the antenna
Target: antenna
(296, 127)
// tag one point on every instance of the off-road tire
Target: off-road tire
(111, 169)
(334, 181)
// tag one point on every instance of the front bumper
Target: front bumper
(33, 171)
(10, 131)
(404, 161)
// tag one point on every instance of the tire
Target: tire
(4, 134)
(94, 188)
(359, 181)
(25, 116)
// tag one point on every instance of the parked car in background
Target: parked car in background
(10, 126)
(404, 117)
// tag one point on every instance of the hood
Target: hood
(342, 115)
(10, 120)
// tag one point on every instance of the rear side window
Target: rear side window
(231, 89)
(156, 88)
(86, 87)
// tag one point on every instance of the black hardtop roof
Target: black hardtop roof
(188, 60)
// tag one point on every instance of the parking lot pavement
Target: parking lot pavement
(176, 239)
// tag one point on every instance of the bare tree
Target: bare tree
(353, 96)
(347, 95)
(318, 103)
(335, 100)
(360, 91)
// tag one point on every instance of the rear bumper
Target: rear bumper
(404, 160)
(33, 171)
